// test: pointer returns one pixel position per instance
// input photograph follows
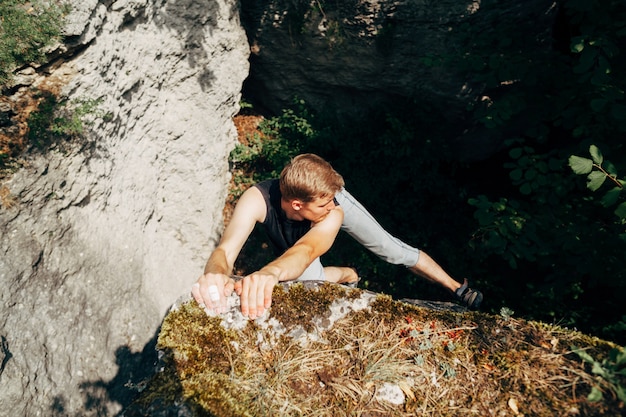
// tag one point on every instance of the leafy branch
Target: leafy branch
(598, 171)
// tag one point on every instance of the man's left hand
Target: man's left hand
(255, 292)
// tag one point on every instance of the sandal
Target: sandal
(469, 297)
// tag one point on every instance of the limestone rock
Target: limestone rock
(100, 236)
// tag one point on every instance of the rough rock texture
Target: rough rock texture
(359, 53)
(350, 57)
(100, 237)
(304, 327)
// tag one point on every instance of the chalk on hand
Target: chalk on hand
(214, 293)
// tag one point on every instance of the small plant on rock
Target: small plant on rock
(611, 372)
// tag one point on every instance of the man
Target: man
(302, 212)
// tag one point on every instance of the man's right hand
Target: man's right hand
(212, 290)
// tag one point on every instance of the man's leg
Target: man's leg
(365, 229)
(426, 267)
(362, 226)
(314, 272)
(340, 274)
(317, 272)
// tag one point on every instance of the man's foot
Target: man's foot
(342, 275)
(353, 279)
(353, 284)
(469, 297)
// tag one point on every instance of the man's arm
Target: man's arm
(312, 245)
(215, 285)
(256, 289)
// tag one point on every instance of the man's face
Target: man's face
(318, 209)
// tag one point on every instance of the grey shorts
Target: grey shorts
(364, 228)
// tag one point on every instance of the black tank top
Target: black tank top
(282, 232)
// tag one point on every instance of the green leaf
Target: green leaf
(580, 165)
(611, 197)
(515, 153)
(531, 174)
(578, 45)
(484, 218)
(582, 354)
(595, 395)
(587, 59)
(596, 154)
(516, 174)
(595, 180)
(621, 393)
(598, 104)
(598, 369)
(579, 131)
(620, 211)
(526, 189)
(610, 168)
(617, 356)
(620, 356)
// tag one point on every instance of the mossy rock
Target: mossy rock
(327, 350)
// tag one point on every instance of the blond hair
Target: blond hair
(308, 177)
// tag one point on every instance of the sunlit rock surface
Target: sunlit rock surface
(99, 237)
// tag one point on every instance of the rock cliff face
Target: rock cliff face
(351, 58)
(356, 55)
(98, 239)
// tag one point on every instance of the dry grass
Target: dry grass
(392, 359)
(7, 200)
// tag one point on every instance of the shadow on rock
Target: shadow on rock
(134, 370)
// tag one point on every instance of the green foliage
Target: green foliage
(598, 171)
(56, 120)
(506, 313)
(280, 139)
(504, 230)
(543, 104)
(611, 370)
(26, 27)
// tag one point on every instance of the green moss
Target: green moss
(215, 371)
(198, 341)
(391, 310)
(299, 305)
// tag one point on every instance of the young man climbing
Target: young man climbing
(302, 212)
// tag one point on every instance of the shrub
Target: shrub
(26, 28)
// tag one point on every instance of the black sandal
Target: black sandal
(469, 297)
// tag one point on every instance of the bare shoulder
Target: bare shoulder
(252, 205)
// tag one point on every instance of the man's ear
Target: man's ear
(296, 205)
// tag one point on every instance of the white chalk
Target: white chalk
(214, 293)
